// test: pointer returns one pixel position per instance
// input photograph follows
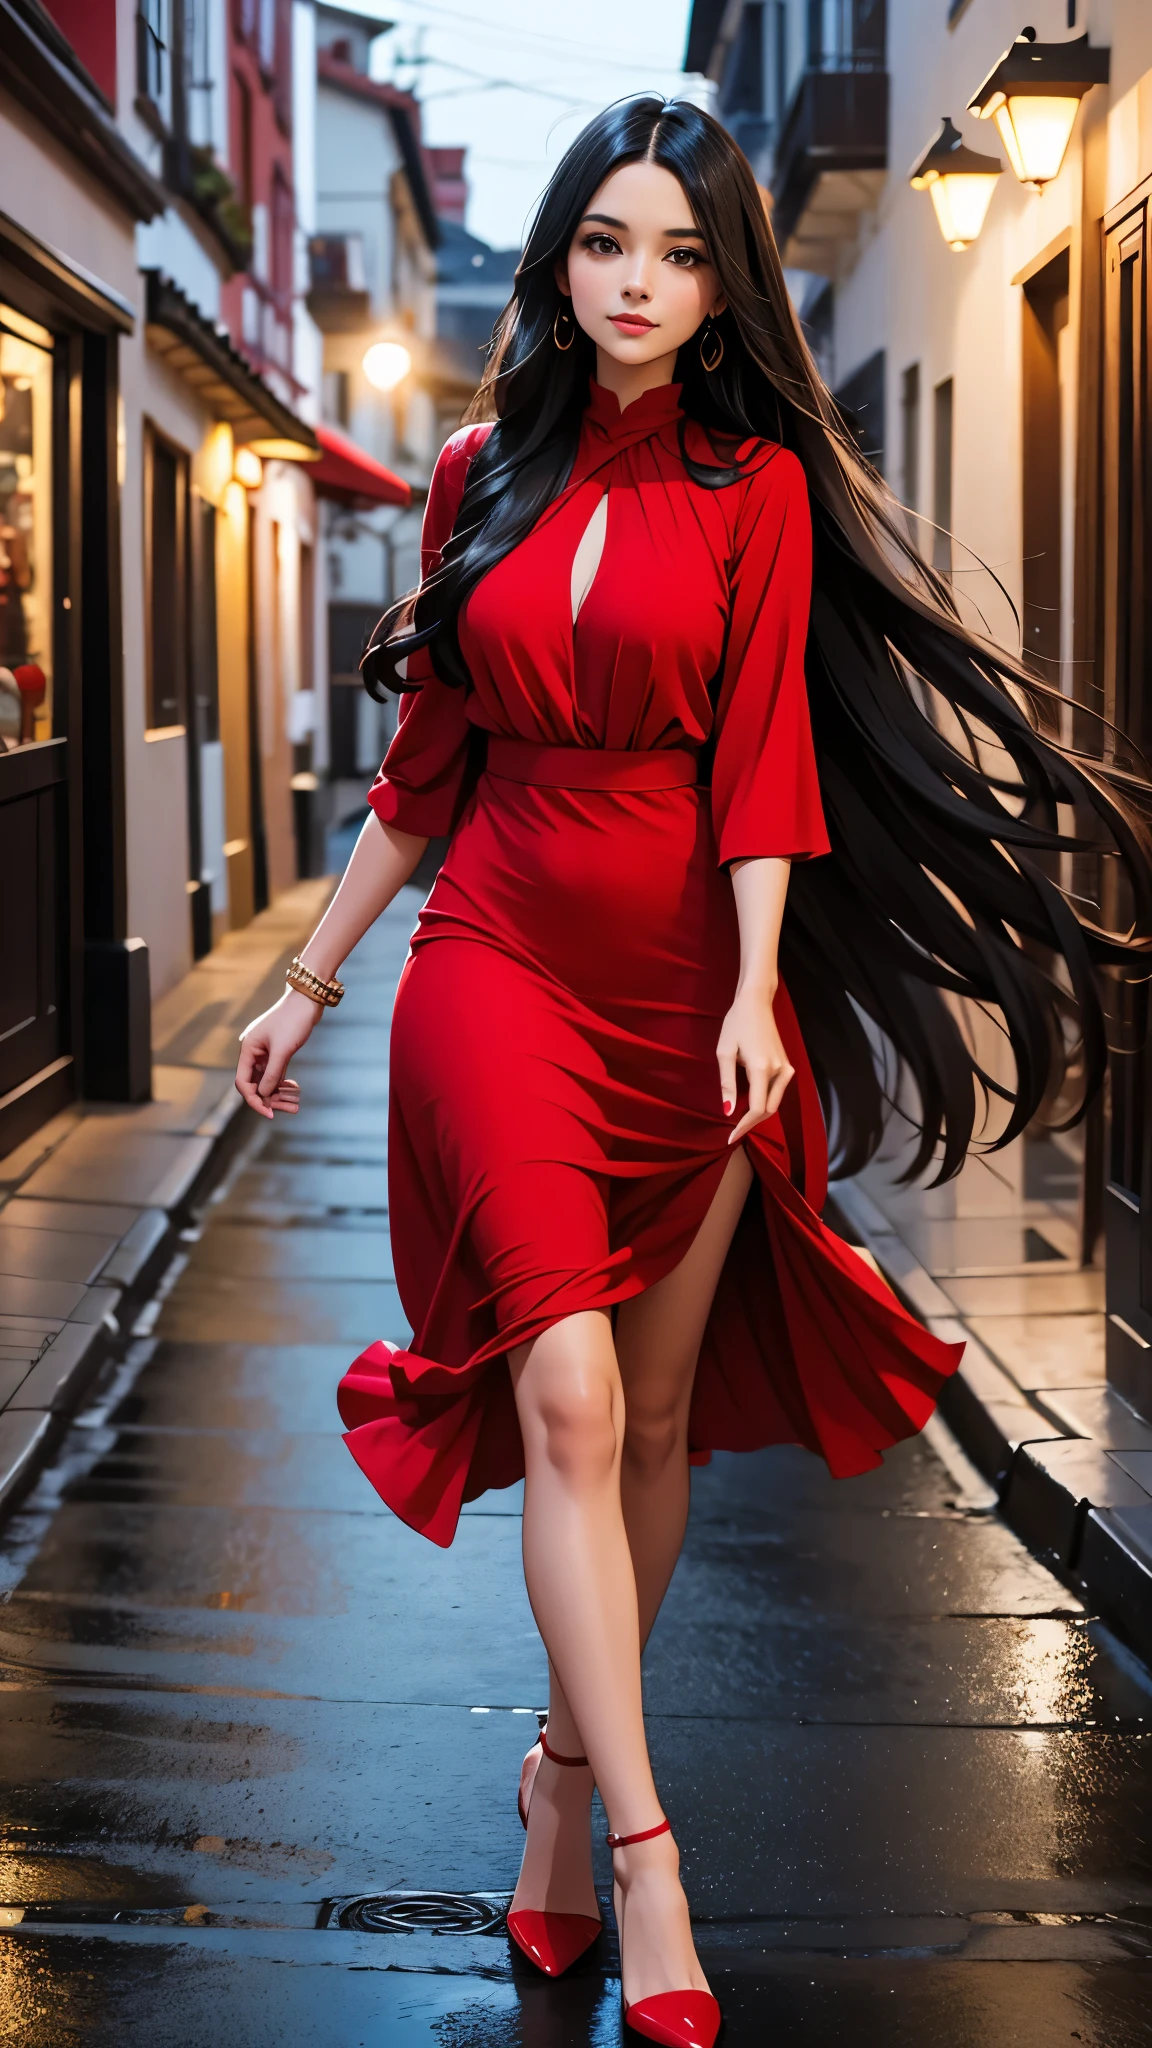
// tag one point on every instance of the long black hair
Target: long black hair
(945, 781)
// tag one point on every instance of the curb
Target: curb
(1067, 1496)
(114, 1186)
(40, 1409)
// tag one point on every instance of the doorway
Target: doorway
(1128, 709)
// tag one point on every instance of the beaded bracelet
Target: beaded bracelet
(326, 993)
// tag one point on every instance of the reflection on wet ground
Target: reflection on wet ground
(912, 1778)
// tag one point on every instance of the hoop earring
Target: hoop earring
(711, 334)
(563, 313)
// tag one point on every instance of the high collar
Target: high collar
(653, 409)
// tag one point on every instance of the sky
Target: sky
(516, 79)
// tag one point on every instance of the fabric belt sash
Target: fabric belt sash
(579, 767)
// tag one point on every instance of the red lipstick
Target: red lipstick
(631, 323)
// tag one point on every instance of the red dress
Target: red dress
(556, 1128)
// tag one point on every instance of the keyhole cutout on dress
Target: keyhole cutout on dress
(587, 558)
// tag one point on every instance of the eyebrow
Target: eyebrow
(609, 220)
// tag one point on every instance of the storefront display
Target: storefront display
(25, 531)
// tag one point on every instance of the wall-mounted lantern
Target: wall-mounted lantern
(961, 183)
(1033, 94)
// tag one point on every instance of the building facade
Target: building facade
(373, 285)
(161, 645)
(1003, 388)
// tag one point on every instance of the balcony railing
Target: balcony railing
(833, 149)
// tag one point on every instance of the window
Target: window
(25, 531)
(283, 242)
(847, 35)
(744, 72)
(335, 397)
(780, 61)
(942, 477)
(199, 68)
(281, 64)
(244, 143)
(154, 58)
(910, 437)
(267, 11)
(166, 586)
(861, 400)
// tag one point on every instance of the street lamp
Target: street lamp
(1033, 94)
(386, 364)
(961, 183)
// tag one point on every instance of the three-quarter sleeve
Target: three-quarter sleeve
(425, 782)
(765, 792)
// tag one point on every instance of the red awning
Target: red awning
(346, 473)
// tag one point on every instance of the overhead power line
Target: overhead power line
(529, 40)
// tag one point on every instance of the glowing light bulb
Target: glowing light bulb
(386, 364)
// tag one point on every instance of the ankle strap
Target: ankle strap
(554, 1757)
(645, 1835)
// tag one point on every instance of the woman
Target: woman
(607, 1143)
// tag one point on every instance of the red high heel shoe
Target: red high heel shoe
(677, 2019)
(553, 1941)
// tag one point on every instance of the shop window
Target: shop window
(166, 593)
(942, 477)
(25, 531)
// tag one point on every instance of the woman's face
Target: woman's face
(638, 270)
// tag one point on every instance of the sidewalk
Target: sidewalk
(1071, 1462)
(259, 1743)
(91, 1205)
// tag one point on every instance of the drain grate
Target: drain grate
(417, 1913)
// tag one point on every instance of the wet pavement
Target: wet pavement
(912, 1778)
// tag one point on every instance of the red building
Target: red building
(256, 303)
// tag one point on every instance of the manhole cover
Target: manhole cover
(418, 1913)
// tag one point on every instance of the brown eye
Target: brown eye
(601, 245)
(685, 259)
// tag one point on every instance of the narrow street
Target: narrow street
(911, 1777)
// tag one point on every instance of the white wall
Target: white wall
(168, 243)
(51, 195)
(356, 155)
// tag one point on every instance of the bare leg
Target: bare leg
(658, 1337)
(583, 1587)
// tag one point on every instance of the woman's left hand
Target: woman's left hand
(749, 1038)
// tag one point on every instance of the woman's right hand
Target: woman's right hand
(267, 1045)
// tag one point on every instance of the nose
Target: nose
(637, 289)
